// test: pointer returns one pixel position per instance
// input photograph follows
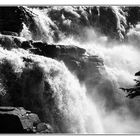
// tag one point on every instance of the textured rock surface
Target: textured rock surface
(19, 120)
(84, 66)
(10, 19)
(108, 20)
(9, 41)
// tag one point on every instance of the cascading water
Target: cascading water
(69, 104)
(121, 61)
(65, 106)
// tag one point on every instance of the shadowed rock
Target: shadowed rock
(19, 120)
(11, 19)
(86, 67)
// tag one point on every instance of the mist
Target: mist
(121, 61)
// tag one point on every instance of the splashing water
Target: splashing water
(121, 61)
(41, 27)
(66, 107)
(102, 108)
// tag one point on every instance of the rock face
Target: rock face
(19, 120)
(10, 19)
(9, 41)
(108, 20)
(75, 58)
(111, 21)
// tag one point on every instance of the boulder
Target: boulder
(19, 120)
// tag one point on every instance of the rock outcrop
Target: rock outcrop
(86, 67)
(19, 120)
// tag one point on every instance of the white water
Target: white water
(69, 110)
(86, 112)
(121, 62)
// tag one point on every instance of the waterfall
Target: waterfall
(105, 102)
(121, 61)
(48, 87)
(62, 99)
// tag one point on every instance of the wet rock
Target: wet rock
(19, 120)
(54, 51)
(10, 41)
(108, 20)
(10, 19)
(86, 67)
(44, 128)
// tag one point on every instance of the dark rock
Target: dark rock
(132, 15)
(9, 33)
(103, 18)
(10, 19)
(51, 50)
(10, 124)
(19, 120)
(86, 67)
(44, 128)
(9, 41)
